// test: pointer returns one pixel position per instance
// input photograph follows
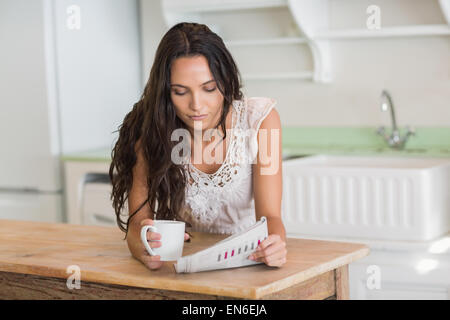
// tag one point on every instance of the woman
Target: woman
(194, 86)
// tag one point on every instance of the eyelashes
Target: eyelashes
(182, 94)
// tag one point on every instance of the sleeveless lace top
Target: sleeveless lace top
(222, 202)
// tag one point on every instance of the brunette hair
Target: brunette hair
(153, 119)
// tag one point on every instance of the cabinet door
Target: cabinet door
(398, 282)
(31, 206)
(96, 204)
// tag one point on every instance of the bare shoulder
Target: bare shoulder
(258, 107)
(272, 120)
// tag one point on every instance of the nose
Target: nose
(196, 103)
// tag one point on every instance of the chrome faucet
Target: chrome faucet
(394, 139)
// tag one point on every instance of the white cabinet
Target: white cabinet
(96, 205)
(78, 175)
(31, 206)
(403, 275)
(399, 270)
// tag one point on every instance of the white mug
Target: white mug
(172, 239)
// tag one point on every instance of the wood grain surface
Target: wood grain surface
(48, 249)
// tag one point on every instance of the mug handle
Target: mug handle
(144, 238)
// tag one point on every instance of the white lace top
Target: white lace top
(223, 202)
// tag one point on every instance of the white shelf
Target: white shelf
(220, 5)
(311, 15)
(264, 42)
(303, 75)
(311, 19)
(310, 12)
(445, 8)
(401, 31)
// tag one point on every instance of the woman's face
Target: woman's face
(194, 93)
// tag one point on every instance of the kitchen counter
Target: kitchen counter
(35, 260)
(297, 141)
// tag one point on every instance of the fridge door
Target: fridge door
(98, 69)
(31, 206)
(29, 138)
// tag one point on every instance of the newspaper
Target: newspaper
(232, 252)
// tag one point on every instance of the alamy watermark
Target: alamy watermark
(266, 152)
(374, 277)
(74, 280)
(73, 21)
(373, 22)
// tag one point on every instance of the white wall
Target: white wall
(416, 70)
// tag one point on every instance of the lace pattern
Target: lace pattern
(208, 195)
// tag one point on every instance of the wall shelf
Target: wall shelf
(306, 75)
(312, 29)
(264, 42)
(219, 5)
(402, 31)
(445, 8)
(175, 11)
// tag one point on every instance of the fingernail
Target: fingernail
(251, 257)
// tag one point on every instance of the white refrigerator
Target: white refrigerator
(62, 90)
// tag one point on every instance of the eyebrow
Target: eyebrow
(179, 85)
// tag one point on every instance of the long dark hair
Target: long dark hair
(153, 119)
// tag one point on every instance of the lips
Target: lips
(198, 117)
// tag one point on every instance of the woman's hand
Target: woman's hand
(151, 262)
(153, 238)
(272, 251)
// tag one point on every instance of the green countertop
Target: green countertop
(428, 142)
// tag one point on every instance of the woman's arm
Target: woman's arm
(138, 195)
(267, 186)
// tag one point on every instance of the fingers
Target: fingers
(270, 259)
(153, 244)
(271, 245)
(186, 237)
(273, 238)
(276, 263)
(152, 262)
(153, 236)
(271, 251)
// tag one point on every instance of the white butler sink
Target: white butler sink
(395, 198)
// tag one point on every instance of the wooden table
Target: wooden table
(34, 260)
